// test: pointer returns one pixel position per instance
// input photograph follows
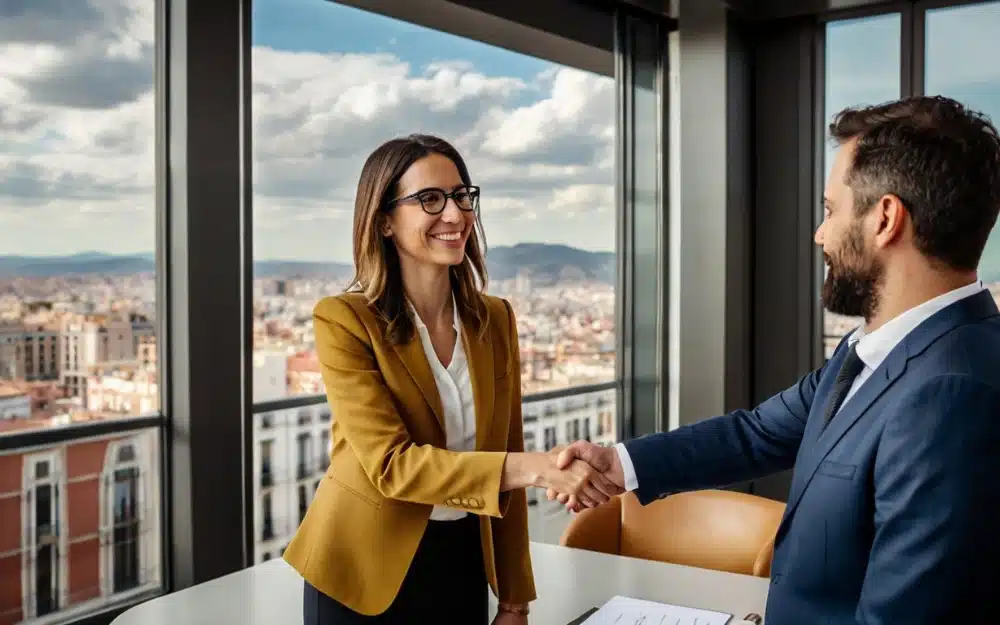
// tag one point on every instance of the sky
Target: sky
(330, 83)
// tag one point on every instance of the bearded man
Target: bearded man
(895, 441)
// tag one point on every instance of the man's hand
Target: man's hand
(602, 459)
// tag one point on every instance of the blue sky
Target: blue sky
(316, 26)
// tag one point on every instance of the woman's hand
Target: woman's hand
(579, 483)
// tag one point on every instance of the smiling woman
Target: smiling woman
(330, 82)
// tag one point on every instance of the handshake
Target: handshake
(580, 475)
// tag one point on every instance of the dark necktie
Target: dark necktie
(853, 365)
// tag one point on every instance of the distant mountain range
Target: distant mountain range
(543, 262)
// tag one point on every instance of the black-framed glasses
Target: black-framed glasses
(433, 200)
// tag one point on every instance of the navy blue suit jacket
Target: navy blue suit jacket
(890, 517)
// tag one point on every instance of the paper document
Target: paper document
(627, 611)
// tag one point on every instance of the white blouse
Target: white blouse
(454, 385)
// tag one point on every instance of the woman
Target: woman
(423, 505)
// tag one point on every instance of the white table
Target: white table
(569, 582)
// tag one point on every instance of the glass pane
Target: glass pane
(84, 535)
(77, 213)
(538, 138)
(958, 39)
(862, 67)
(77, 297)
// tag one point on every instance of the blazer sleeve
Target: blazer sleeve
(366, 413)
(936, 546)
(515, 580)
(741, 445)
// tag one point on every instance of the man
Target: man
(896, 440)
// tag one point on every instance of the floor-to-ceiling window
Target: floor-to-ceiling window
(79, 365)
(862, 67)
(330, 83)
(958, 42)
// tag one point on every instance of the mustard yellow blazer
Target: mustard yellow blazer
(389, 465)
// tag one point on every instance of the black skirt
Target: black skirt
(446, 583)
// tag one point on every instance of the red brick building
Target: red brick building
(79, 526)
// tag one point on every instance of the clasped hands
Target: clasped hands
(583, 475)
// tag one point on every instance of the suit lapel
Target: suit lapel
(968, 310)
(852, 410)
(415, 360)
(479, 353)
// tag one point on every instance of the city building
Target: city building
(81, 527)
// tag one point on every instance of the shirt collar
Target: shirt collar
(419, 323)
(875, 347)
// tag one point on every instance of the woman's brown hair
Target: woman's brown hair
(376, 261)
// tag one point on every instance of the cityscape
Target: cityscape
(79, 343)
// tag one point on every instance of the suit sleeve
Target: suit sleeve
(515, 580)
(365, 411)
(936, 545)
(741, 445)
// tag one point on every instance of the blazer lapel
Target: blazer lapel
(968, 310)
(479, 353)
(415, 360)
(852, 410)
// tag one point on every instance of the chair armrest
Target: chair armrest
(762, 565)
(596, 529)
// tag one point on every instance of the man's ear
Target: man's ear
(892, 217)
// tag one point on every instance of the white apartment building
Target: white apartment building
(291, 454)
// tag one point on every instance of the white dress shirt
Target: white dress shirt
(872, 349)
(455, 388)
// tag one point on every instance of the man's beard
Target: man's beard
(852, 280)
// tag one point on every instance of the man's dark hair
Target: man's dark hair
(940, 159)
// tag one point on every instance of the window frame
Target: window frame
(203, 253)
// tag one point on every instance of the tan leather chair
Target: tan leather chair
(711, 529)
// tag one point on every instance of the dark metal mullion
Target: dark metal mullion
(817, 149)
(838, 15)
(623, 287)
(663, 253)
(162, 177)
(247, 255)
(906, 60)
(57, 435)
(206, 392)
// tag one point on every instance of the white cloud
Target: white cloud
(77, 128)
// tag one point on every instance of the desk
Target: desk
(569, 582)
